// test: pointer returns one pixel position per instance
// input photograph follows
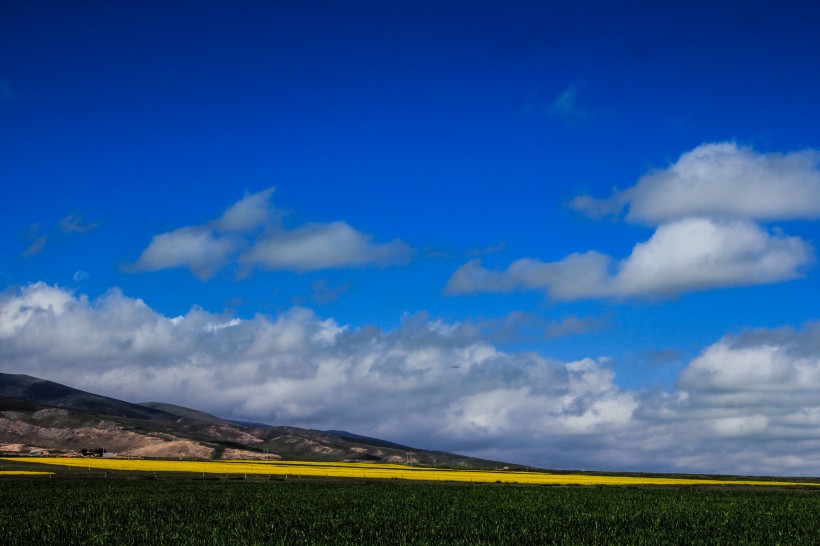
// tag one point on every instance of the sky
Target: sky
(576, 235)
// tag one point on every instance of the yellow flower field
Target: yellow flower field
(379, 471)
(23, 473)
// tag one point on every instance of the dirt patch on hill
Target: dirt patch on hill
(49, 413)
(184, 449)
(104, 434)
(232, 433)
(245, 454)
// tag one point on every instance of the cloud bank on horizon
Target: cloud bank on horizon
(745, 404)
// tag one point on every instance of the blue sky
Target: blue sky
(560, 232)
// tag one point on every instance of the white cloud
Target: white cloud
(745, 425)
(746, 404)
(422, 382)
(706, 208)
(576, 276)
(199, 249)
(720, 180)
(16, 310)
(754, 396)
(248, 213)
(322, 246)
(760, 363)
(700, 254)
(248, 232)
(683, 256)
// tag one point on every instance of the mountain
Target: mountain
(47, 393)
(367, 440)
(187, 413)
(40, 414)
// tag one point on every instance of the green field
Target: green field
(141, 511)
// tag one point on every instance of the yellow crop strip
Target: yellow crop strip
(380, 471)
(23, 473)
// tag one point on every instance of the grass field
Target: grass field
(188, 512)
(119, 501)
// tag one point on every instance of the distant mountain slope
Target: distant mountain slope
(367, 440)
(47, 393)
(187, 413)
(36, 413)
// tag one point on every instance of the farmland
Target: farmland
(121, 501)
(299, 469)
(148, 511)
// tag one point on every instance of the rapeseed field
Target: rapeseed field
(383, 471)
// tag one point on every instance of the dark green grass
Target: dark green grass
(52, 511)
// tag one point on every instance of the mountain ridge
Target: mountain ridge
(37, 413)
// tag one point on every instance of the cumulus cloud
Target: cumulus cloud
(322, 246)
(699, 254)
(706, 209)
(576, 276)
(720, 180)
(746, 404)
(423, 382)
(248, 233)
(759, 363)
(248, 213)
(199, 249)
(754, 395)
(684, 256)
